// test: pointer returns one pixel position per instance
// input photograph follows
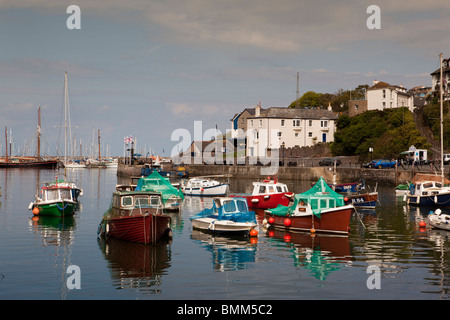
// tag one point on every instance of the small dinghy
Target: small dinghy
(439, 220)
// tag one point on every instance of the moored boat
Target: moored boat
(228, 214)
(58, 198)
(135, 216)
(366, 200)
(204, 186)
(267, 194)
(320, 209)
(439, 220)
(172, 197)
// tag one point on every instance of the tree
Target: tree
(309, 99)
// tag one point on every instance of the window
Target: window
(324, 123)
(279, 189)
(251, 123)
(279, 134)
(260, 123)
(310, 123)
(65, 194)
(384, 94)
(141, 201)
(310, 134)
(282, 123)
(262, 189)
(296, 135)
(296, 123)
(127, 201)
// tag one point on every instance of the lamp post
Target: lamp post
(282, 150)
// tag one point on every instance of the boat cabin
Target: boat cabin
(55, 193)
(268, 188)
(132, 200)
(231, 204)
(426, 188)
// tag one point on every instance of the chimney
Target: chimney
(258, 110)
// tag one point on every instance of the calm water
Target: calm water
(35, 255)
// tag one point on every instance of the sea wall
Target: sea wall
(343, 173)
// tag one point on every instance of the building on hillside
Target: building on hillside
(382, 96)
(445, 75)
(282, 127)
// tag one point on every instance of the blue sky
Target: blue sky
(145, 67)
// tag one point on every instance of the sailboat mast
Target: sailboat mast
(442, 119)
(65, 118)
(39, 134)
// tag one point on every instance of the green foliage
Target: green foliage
(432, 114)
(310, 99)
(388, 132)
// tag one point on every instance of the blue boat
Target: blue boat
(428, 193)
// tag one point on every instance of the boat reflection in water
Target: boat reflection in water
(319, 254)
(228, 253)
(54, 231)
(136, 265)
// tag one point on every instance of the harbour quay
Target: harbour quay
(306, 169)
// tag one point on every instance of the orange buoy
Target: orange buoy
(287, 222)
(271, 220)
(253, 233)
(422, 224)
(35, 210)
(313, 230)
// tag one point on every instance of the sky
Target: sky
(146, 68)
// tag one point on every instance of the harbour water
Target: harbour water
(35, 254)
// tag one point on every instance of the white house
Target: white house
(277, 127)
(445, 75)
(381, 96)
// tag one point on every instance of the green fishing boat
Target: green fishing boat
(58, 199)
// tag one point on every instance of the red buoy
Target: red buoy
(287, 222)
(35, 210)
(422, 224)
(271, 220)
(253, 233)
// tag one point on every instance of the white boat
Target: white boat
(228, 214)
(74, 165)
(268, 194)
(439, 220)
(204, 187)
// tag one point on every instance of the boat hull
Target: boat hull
(363, 201)
(138, 228)
(441, 199)
(51, 164)
(219, 190)
(224, 226)
(56, 209)
(335, 220)
(268, 201)
(439, 222)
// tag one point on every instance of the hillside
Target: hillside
(388, 132)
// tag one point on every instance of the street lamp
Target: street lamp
(282, 150)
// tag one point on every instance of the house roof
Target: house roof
(384, 85)
(294, 113)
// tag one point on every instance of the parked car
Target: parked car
(370, 164)
(383, 164)
(329, 162)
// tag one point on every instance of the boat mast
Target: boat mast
(65, 119)
(39, 134)
(6, 142)
(442, 120)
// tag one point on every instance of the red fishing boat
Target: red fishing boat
(319, 209)
(135, 216)
(267, 194)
